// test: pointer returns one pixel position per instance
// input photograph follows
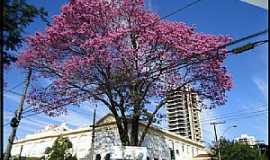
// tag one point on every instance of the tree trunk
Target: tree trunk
(122, 133)
(134, 131)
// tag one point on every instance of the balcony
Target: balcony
(174, 110)
(177, 128)
(180, 111)
(177, 125)
(175, 97)
(176, 107)
(175, 102)
(177, 116)
(172, 102)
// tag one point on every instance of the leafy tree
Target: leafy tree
(59, 150)
(230, 150)
(17, 14)
(117, 53)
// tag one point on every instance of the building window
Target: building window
(172, 154)
(192, 151)
(108, 156)
(177, 151)
(183, 148)
(98, 157)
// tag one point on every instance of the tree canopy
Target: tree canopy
(230, 150)
(122, 55)
(59, 150)
(17, 15)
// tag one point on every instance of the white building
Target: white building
(245, 139)
(160, 144)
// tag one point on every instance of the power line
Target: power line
(13, 92)
(181, 9)
(246, 117)
(174, 12)
(248, 46)
(29, 109)
(172, 67)
(235, 116)
(241, 118)
(15, 121)
(39, 112)
(254, 44)
(247, 37)
(234, 42)
(231, 43)
(231, 114)
(237, 119)
(33, 114)
(17, 85)
(239, 111)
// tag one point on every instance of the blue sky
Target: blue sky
(249, 70)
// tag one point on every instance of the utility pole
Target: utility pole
(93, 136)
(259, 150)
(16, 119)
(20, 155)
(215, 130)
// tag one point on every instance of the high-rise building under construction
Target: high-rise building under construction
(183, 113)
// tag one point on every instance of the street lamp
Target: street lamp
(222, 135)
(227, 129)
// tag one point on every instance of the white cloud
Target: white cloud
(75, 119)
(262, 86)
(258, 3)
(84, 113)
(149, 4)
(81, 116)
(38, 122)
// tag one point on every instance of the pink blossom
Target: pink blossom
(92, 45)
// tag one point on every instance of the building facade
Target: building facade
(245, 139)
(183, 113)
(160, 144)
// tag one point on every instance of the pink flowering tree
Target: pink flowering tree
(117, 53)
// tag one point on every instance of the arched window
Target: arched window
(98, 157)
(172, 154)
(108, 156)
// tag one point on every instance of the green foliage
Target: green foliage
(59, 150)
(237, 151)
(17, 14)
